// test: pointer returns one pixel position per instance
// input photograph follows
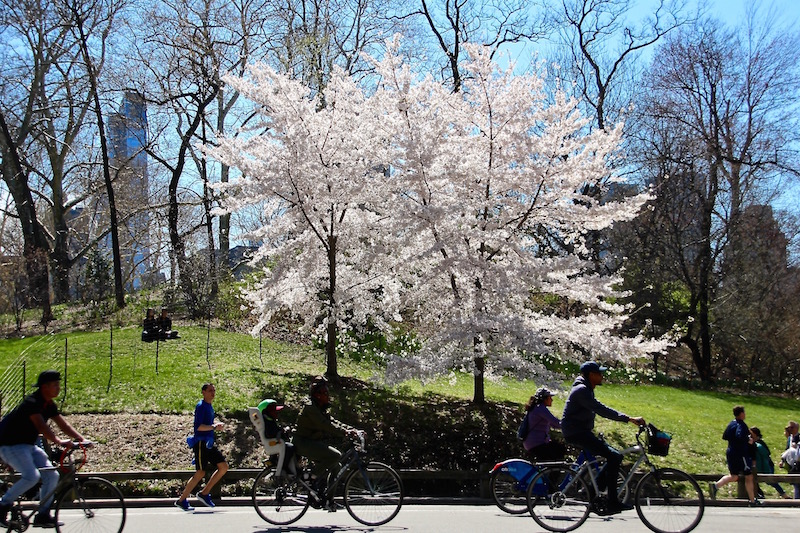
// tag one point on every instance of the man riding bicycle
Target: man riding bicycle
(577, 426)
(19, 431)
(315, 427)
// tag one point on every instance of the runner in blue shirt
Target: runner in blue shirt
(206, 455)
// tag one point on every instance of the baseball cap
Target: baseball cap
(591, 366)
(48, 376)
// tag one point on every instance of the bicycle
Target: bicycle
(80, 503)
(667, 500)
(373, 491)
(509, 481)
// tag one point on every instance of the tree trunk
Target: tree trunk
(119, 289)
(35, 246)
(332, 367)
(478, 395)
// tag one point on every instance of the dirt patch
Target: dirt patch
(158, 442)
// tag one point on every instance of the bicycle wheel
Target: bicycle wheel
(509, 493)
(373, 494)
(558, 499)
(669, 501)
(278, 499)
(90, 504)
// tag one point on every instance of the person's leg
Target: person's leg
(49, 478)
(749, 487)
(191, 484)
(323, 456)
(199, 474)
(222, 468)
(595, 446)
(20, 458)
(778, 489)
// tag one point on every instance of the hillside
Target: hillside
(140, 412)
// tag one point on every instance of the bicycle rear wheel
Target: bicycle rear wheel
(373, 494)
(669, 501)
(558, 499)
(509, 493)
(91, 504)
(278, 499)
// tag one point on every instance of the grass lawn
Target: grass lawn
(245, 371)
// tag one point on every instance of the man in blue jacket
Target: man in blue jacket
(577, 425)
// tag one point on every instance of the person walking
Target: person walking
(206, 454)
(738, 455)
(538, 443)
(577, 425)
(764, 463)
(792, 434)
(19, 432)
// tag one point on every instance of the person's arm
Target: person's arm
(67, 428)
(552, 419)
(46, 432)
(322, 425)
(603, 410)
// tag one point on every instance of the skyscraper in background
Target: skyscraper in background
(127, 140)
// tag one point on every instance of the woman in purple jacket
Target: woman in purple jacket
(537, 443)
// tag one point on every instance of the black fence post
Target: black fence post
(66, 360)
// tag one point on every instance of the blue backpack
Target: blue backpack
(522, 432)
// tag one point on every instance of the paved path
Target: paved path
(442, 519)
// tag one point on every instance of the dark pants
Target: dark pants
(589, 442)
(550, 451)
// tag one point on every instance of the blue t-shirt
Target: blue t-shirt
(203, 414)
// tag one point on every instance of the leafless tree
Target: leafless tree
(600, 46)
(494, 23)
(717, 123)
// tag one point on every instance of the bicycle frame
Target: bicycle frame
(350, 460)
(68, 468)
(592, 474)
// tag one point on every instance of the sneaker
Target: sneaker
(4, 509)
(755, 503)
(184, 505)
(330, 506)
(205, 499)
(712, 491)
(44, 520)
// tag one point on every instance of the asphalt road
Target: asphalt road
(441, 519)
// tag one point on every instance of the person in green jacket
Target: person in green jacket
(316, 428)
(764, 464)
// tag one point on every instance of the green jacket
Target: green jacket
(315, 424)
(764, 464)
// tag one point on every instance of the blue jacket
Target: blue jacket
(581, 407)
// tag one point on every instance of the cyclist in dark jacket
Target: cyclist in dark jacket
(577, 425)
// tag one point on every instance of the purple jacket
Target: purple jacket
(540, 420)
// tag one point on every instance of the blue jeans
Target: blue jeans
(27, 459)
(589, 442)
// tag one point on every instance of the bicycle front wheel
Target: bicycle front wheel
(90, 504)
(669, 501)
(373, 494)
(509, 493)
(279, 500)
(558, 499)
